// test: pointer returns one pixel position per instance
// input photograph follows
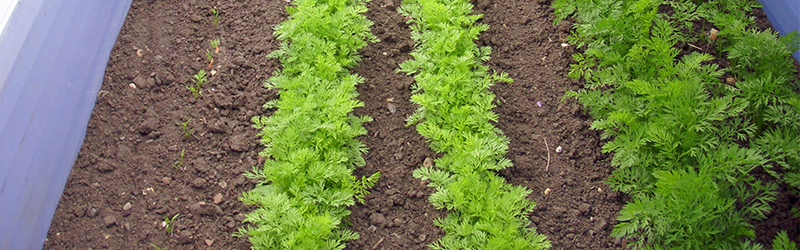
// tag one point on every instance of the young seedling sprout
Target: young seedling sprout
(210, 58)
(199, 78)
(167, 223)
(216, 16)
(215, 45)
(177, 164)
(186, 131)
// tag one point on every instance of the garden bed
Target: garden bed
(129, 174)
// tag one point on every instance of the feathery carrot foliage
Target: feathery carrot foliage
(306, 181)
(675, 129)
(455, 116)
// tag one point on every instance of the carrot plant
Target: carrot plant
(199, 79)
(674, 128)
(186, 130)
(455, 116)
(215, 45)
(215, 13)
(306, 181)
(179, 163)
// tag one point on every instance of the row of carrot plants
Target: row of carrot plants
(306, 181)
(454, 115)
(685, 132)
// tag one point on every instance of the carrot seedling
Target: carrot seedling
(216, 16)
(168, 223)
(215, 45)
(200, 78)
(179, 162)
(186, 131)
(210, 58)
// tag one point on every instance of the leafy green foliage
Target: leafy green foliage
(179, 163)
(782, 242)
(455, 116)
(215, 12)
(199, 79)
(783, 146)
(168, 223)
(155, 246)
(186, 130)
(684, 212)
(676, 132)
(214, 43)
(310, 146)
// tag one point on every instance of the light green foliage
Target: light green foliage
(179, 163)
(214, 43)
(186, 130)
(155, 246)
(698, 218)
(199, 79)
(782, 242)
(783, 146)
(215, 12)
(674, 129)
(168, 223)
(763, 63)
(455, 116)
(307, 179)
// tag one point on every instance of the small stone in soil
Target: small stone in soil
(91, 212)
(199, 183)
(392, 107)
(127, 206)
(377, 219)
(223, 184)
(217, 198)
(166, 180)
(239, 181)
(147, 126)
(185, 237)
(240, 142)
(398, 156)
(202, 208)
(80, 211)
(110, 220)
(208, 242)
(428, 162)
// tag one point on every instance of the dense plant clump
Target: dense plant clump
(455, 116)
(306, 180)
(678, 128)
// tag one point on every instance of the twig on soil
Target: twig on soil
(376, 244)
(693, 46)
(548, 155)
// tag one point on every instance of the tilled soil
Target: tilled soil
(129, 174)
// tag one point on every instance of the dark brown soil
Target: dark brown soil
(134, 136)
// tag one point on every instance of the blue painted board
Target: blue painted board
(52, 61)
(784, 16)
(51, 66)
